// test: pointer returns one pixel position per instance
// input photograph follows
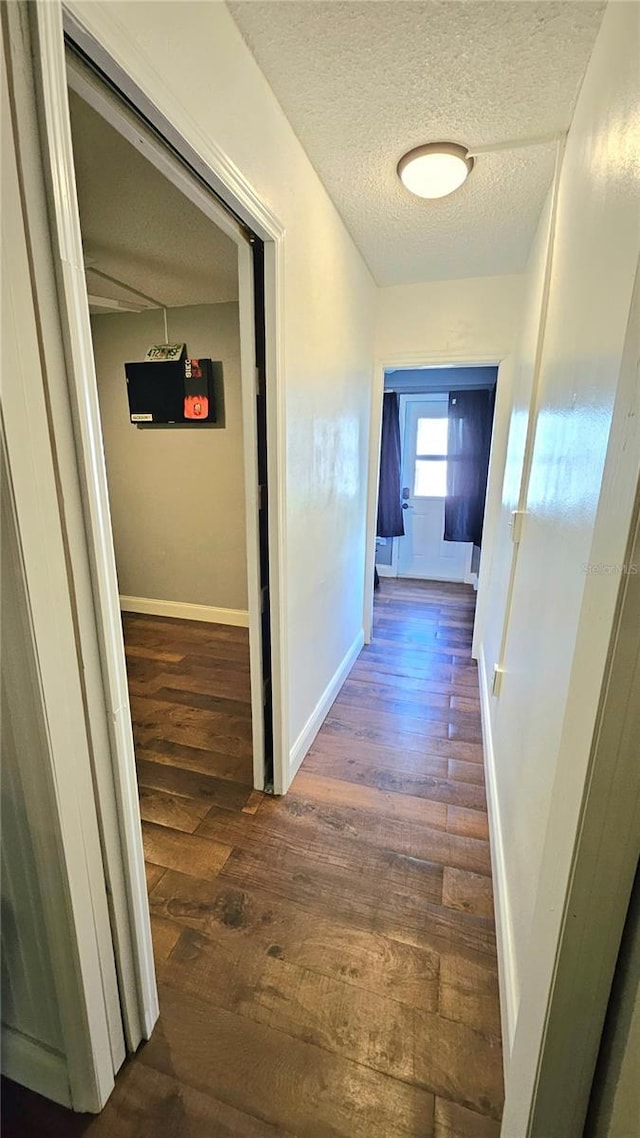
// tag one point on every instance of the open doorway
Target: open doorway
(180, 508)
(424, 447)
(159, 272)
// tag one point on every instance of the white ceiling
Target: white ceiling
(363, 82)
(138, 227)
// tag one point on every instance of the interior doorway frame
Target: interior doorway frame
(122, 847)
(425, 359)
(109, 107)
(221, 178)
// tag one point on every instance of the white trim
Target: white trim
(91, 30)
(507, 975)
(138, 991)
(239, 618)
(428, 358)
(111, 108)
(386, 570)
(375, 443)
(60, 798)
(434, 577)
(32, 1065)
(321, 710)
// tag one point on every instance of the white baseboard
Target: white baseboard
(507, 974)
(471, 579)
(35, 1066)
(320, 711)
(237, 617)
(386, 571)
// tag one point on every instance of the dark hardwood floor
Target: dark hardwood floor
(326, 961)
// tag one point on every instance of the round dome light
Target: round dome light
(436, 169)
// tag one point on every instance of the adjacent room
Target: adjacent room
(434, 460)
(162, 280)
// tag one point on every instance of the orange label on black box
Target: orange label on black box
(196, 407)
(196, 403)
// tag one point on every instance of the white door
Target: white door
(423, 552)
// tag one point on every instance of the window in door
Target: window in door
(430, 471)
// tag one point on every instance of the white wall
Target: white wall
(511, 426)
(328, 312)
(513, 422)
(176, 496)
(467, 321)
(584, 470)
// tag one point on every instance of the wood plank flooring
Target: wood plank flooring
(326, 961)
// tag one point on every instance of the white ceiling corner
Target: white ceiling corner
(363, 81)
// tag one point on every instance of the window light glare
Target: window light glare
(435, 170)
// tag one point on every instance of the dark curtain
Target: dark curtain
(470, 422)
(390, 519)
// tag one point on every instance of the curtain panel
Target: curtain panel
(390, 517)
(470, 424)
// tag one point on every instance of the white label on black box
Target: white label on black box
(142, 418)
(163, 353)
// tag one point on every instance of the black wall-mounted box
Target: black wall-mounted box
(158, 392)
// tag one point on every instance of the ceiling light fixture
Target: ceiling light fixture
(436, 169)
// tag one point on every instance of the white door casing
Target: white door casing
(110, 107)
(99, 35)
(423, 552)
(55, 761)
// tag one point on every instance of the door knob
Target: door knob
(406, 506)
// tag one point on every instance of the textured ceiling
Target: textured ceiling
(363, 82)
(138, 227)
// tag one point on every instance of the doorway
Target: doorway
(76, 428)
(422, 553)
(170, 284)
(159, 272)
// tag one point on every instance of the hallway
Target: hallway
(326, 961)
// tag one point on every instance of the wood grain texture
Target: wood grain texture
(191, 785)
(292, 1084)
(200, 857)
(473, 823)
(153, 874)
(455, 1121)
(165, 936)
(326, 961)
(170, 810)
(469, 993)
(240, 921)
(470, 892)
(382, 803)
